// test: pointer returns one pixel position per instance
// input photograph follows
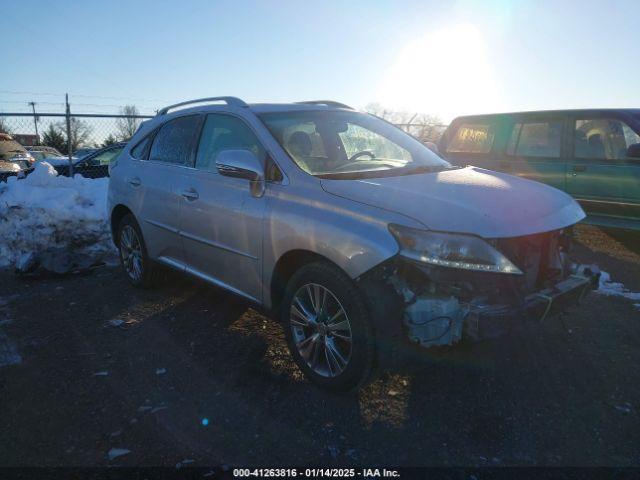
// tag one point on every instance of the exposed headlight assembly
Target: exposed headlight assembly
(451, 250)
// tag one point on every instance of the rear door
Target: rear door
(154, 180)
(220, 221)
(600, 175)
(535, 149)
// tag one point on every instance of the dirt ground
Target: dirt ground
(194, 374)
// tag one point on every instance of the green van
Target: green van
(593, 155)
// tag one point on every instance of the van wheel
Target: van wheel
(138, 268)
(327, 327)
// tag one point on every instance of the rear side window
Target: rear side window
(473, 138)
(536, 139)
(141, 150)
(176, 141)
(603, 138)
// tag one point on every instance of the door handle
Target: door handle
(134, 182)
(190, 194)
(579, 168)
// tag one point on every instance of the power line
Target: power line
(14, 92)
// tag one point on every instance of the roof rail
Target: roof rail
(231, 101)
(328, 103)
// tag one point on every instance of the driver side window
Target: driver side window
(224, 132)
(357, 139)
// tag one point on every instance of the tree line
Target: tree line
(80, 131)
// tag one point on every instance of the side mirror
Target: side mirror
(242, 164)
(634, 150)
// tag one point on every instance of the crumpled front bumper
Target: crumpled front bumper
(490, 321)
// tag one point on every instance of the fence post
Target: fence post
(68, 116)
(35, 121)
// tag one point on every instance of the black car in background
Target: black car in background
(93, 165)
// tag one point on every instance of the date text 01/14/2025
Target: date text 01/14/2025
(315, 472)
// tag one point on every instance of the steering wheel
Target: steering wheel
(357, 155)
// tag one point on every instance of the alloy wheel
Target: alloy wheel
(321, 330)
(131, 252)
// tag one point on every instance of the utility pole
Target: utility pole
(35, 121)
(68, 115)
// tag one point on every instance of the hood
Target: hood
(467, 200)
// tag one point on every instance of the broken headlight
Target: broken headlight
(467, 252)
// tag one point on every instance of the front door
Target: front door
(534, 150)
(599, 173)
(220, 220)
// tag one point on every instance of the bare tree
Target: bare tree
(80, 132)
(127, 126)
(425, 127)
(4, 128)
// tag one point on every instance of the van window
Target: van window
(536, 139)
(225, 132)
(602, 138)
(176, 140)
(473, 138)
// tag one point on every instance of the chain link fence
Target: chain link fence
(85, 143)
(425, 132)
(74, 144)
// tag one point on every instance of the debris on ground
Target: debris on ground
(610, 288)
(117, 452)
(114, 322)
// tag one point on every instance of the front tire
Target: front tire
(137, 266)
(327, 326)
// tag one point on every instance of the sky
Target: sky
(434, 57)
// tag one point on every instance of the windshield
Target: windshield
(340, 144)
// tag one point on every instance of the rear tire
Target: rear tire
(328, 329)
(138, 267)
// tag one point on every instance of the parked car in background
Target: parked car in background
(355, 235)
(93, 165)
(14, 158)
(83, 152)
(40, 152)
(593, 155)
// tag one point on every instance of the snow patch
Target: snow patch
(54, 222)
(609, 288)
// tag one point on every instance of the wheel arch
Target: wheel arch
(117, 214)
(286, 266)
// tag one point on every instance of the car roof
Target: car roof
(292, 107)
(585, 111)
(234, 103)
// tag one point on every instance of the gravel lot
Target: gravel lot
(195, 374)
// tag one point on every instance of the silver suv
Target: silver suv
(359, 239)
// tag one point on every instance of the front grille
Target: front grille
(541, 257)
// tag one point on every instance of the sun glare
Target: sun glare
(446, 73)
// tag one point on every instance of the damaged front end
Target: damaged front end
(452, 286)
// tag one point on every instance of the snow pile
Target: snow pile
(53, 222)
(607, 287)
